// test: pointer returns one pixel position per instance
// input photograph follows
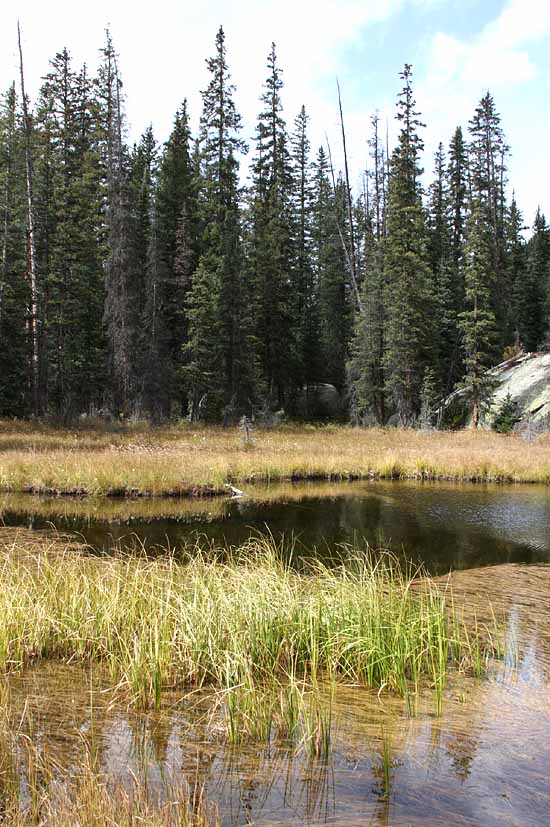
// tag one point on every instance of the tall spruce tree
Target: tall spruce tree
(272, 243)
(457, 189)
(488, 152)
(215, 301)
(142, 189)
(515, 264)
(534, 293)
(478, 321)
(304, 294)
(368, 345)
(70, 263)
(172, 260)
(442, 266)
(334, 299)
(409, 295)
(15, 355)
(121, 269)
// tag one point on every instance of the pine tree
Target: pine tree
(15, 356)
(408, 300)
(204, 349)
(35, 320)
(272, 248)
(534, 292)
(121, 270)
(217, 283)
(173, 260)
(442, 266)
(142, 189)
(304, 294)
(143, 172)
(155, 389)
(377, 176)
(507, 415)
(70, 261)
(515, 264)
(488, 151)
(334, 302)
(368, 345)
(366, 364)
(478, 321)
(457, 190)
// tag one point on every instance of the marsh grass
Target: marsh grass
(235, 624)
(293, 713)
(387, 762)
(184, 460)
(318, 723)
(90, 800)
(35, 789)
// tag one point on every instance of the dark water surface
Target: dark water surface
(444, 526)
(484, 763)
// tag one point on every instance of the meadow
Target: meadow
(183, 460)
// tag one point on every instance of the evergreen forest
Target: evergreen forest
(158, 281)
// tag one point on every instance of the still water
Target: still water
(484, 763)
(443, 526)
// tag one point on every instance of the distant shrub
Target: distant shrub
(507, 416)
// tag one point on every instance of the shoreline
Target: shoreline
(206, 492)
(185, 462)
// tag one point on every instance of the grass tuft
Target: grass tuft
(234, 624)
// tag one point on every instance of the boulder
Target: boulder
(319, 400)
(525, 377)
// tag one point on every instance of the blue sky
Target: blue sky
(458, 48)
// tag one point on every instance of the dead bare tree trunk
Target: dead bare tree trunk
(347, 252)
(34, 317)
(7, 199)
(353, 256)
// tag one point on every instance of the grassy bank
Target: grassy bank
(186, 461)
(158, 624)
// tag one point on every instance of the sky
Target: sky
(459, 49)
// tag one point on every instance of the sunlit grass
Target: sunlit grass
(183, 460)
(245, 622)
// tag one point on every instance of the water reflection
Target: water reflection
(443, 526)
(484, 762)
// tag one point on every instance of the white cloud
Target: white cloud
(163, 49)
(163, 46)
(458, 73)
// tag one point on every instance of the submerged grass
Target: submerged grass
(161, 624)
(36, 792)
(186, 460)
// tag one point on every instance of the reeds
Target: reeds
(235, 625)
(90, 800)
(186, 460)
(36, 791)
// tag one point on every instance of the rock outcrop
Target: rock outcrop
(525, 377)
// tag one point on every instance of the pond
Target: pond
(443, 526)
(484, 763)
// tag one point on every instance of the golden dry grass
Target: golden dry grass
(185, 460)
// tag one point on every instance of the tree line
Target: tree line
(149, 281)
